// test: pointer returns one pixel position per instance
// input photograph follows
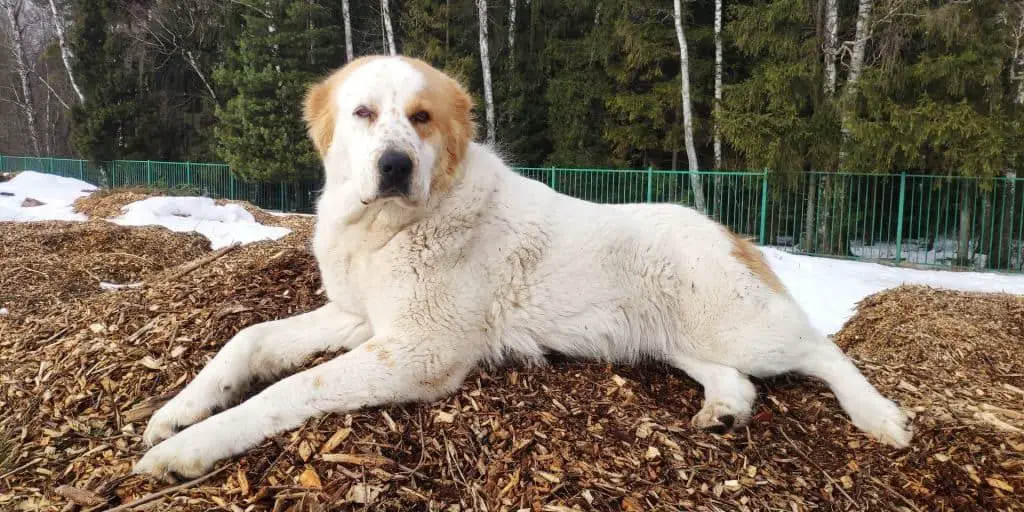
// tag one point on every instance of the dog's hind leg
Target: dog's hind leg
(728, 394)
(869, 411)
(257, 353)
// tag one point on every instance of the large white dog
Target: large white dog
(436, 257)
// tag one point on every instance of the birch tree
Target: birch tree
(389, 32)
(13, 10)
(1003, 259)
(830, 52)
(511, 27)
(348, 30)
(684, 78)
(485, 63)
(65, 50)
(718, 106)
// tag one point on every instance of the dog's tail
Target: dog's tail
(871, 412)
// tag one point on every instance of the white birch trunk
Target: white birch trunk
(511, 27)
(831, 44)
(348, 30)
(191, 59)
(1017, 64)
(684, 78)
(385, 12)
(12, 11)
(485, 63)
(830, 50)
(718, 108)
(65, 49)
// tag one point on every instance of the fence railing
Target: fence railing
(910, 219)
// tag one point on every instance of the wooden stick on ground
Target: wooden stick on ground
(205, 260)
(170, 490)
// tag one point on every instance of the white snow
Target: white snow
(223, 225)
(829, 289)
(55, 192)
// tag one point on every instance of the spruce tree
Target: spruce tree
(260, 133)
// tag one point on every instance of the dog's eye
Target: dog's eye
(363, 112)
(420, 117)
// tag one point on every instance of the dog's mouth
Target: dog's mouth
(400, 199)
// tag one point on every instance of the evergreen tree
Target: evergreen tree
(277, 56)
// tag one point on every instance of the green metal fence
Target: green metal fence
(909, 219)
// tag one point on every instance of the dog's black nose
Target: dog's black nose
(395, 169)
(395, 164)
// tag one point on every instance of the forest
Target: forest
(801, 89)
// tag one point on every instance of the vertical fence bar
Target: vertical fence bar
(764, 205)
(552, 182)
(188, 173)
(149, 173)
(650, 184)
(231, 185)
(284, 187)
(899, 216)
(81, 170)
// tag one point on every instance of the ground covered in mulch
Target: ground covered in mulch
(80, 377)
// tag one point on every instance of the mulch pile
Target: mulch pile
(51, 263)
(80, 378)
(107, 203)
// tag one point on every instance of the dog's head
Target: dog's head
(390, 128)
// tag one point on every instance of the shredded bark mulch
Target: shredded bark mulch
(81, 375)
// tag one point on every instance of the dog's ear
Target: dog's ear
(318, 112)
(461, 129)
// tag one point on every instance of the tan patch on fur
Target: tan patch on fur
(451, 124)
(319, 110)
(318, 382)
(747, 254)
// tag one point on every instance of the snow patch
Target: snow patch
(829, 289)
(56, 194)
(223, 225)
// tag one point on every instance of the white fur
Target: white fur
(498, 267)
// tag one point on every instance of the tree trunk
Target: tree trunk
(831, 45)
(983, 243)
(684, 78)
(718, 85)
(348, 30)
(485, 63)
(511, 28)
(825, 217)
(812, 189)
(12, 8)
(202, 76)
(65, 49)
(1002, 259)
(389, 32)
(964, 236)
(717, 206)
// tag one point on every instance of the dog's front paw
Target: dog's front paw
(171, 418)
(176, 458)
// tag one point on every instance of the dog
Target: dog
(437, 258)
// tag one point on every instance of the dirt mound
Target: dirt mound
(571, 436)
(48, 263)
(107, 203)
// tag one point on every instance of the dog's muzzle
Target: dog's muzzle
(395, 168)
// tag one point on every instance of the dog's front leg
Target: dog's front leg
(258, 352)
(381, 371)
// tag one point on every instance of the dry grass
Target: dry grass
(81, 377)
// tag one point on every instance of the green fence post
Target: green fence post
(81, 170)
(899, 217)
(188, 173)
(650, 184)
(149, 173)
(283, 187)
(764, 206)
(552, 182)
(231, 185)
(1, 163)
